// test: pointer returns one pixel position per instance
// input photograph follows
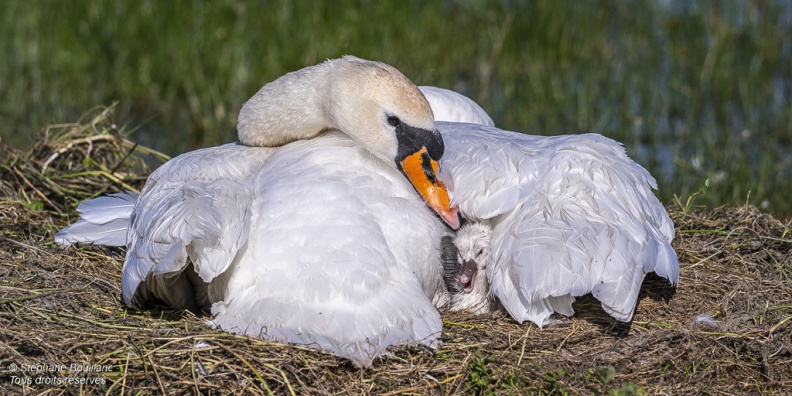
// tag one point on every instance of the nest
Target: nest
(70, 163)
(726, 329)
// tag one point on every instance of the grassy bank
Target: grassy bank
(699, 92)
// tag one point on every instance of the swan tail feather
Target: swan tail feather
(104, 221)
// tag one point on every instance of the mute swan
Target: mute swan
(321, 241)
(569, 215)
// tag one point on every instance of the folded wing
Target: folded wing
(190, 221)
(570, 215)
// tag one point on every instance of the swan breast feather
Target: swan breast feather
(341, 234)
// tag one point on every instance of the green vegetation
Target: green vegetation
(699, 93)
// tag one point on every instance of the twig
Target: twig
(465, 325)
(23, 298)
(250, 366)
(39, 193)
(779, 324)
(156, 374)
(192, 369)
(70, 145)
(27, 246)
(101, 324)
(697, 263)
(522, 350)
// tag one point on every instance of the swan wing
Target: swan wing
(487, 170)
(451, 106)
(570, 215)
(103, 221)
(344, 255)
(194, 211)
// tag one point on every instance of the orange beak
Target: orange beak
(421, 171)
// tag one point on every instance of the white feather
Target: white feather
(108, 208)
(448, 105)
(349, 240)
(197, 207)
(570, 215)
(104, 221)
(112, 233)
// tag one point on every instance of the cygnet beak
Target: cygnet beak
(468, 275)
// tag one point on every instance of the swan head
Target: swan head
(379, 107)
(372, 103)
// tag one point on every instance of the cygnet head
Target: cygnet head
(470, 290)
(473, 244)
(469, 285)
(371, 102)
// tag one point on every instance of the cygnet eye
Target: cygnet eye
(480, 252)
(394, 121)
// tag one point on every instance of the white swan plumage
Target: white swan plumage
(265, 229)
(448, 105)
(570, 215)
(319, 240)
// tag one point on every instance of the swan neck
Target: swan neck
(293, 107)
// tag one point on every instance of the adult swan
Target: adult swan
(321, 241)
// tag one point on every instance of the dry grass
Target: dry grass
(74, 162)
(727, 328)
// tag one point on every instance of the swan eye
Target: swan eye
(394, 121)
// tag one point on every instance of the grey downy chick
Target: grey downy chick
(465, 259)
